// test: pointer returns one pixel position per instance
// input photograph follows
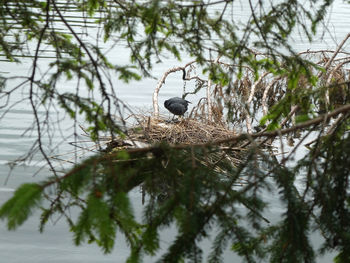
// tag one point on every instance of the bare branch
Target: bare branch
(160, 84)
(209, 103)
(329, 62)
(266, 91)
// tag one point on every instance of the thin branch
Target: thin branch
(93, 61)
(32, 77)
(205, 4)
(160, 84)
(209, 103)
(337, 51)
(248, 117)
(329, 62)
(266, 91)
(256, 83)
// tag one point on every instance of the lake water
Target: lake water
(55, 244)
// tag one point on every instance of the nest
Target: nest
(184, 131)
(149, 130)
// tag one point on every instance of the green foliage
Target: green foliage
(330, 189)
(17, 209)
(194, 197)
(126, 74)
(291, 243)
(195, 189)
(96, 218)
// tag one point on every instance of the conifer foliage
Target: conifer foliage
(192, 188)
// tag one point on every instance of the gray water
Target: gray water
(26, 244)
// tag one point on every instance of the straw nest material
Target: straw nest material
(184, 131)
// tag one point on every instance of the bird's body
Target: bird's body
(176, 106)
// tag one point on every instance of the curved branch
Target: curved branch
(93, 61)
(31, 99)
(337, 51)
(160, 84)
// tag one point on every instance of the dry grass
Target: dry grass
(184, 131)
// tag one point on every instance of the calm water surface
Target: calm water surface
(55, 244)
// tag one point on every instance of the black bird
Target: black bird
(176, 106)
